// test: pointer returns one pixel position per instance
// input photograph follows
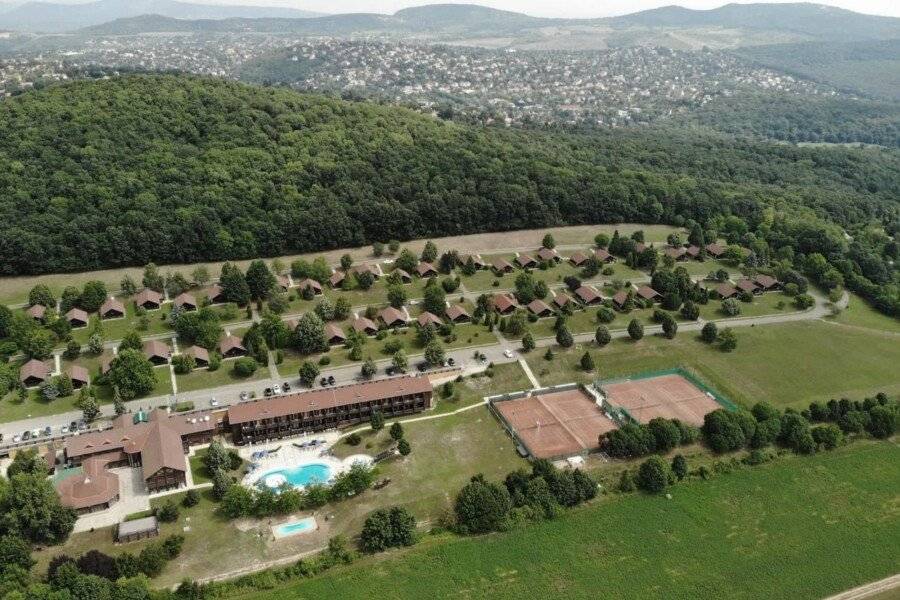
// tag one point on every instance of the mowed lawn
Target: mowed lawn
(788, 365)
(799, 528)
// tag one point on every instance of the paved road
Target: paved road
(503, 351)
(869, 589)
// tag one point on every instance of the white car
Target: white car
(276, 389)
(508, 353)
(213, 402)
(64, 429)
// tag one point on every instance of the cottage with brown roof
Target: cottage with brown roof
(148, 299)
(231, 346)
(375, 270)
(648, 293)
(588, 295)
(715, 250)
(604, 256)
(334, 334)
(767, 282)
(36, 312)
(283, 282)
(186, 302)
(427, 318)
(693, 251)
(548, 254)
(34, 373)
(402, 275)
(199, 354)
(392, 317)
(77, 318)
(525, 261)
(619, 299)
(477, 261)
(501, 265)
(364, 326)
(540, 308)
(157, 352)
(560, 300)
(748, 286)
(79, 376)
(337, 279)
(725, 291)
(216, 294)
(425, 269)
(310, 284)
(505, 304)
(112, 309)
(676, 253)
(457, 313)
(578, 259)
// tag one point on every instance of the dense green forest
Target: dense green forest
(814, 119)
(182, 169)
(870, 67)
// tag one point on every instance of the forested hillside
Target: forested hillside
(180, 169)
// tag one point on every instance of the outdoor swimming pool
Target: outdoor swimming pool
(299, 476)
(295, 527)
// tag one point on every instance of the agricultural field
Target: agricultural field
(789, 365)
(740, 535)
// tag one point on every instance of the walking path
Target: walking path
(869, 589)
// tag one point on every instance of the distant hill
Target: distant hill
(869, 67)
(50, 17)
(729, 26)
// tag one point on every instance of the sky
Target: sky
(550, 8)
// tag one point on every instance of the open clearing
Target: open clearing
(787, 365)
(743, 535)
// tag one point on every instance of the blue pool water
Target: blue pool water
(299, 476)
(295, 527)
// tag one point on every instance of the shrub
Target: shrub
(354, 439)
(245, 366)
(653, 475)
(191, 498)
(387, 528)
(168, 512)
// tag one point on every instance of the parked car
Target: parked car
(83, 425)
(244, 396)
(36, 432)
(268, 392)
(213, 402)
(73, 426)
(276, 389)
(508, 353)
(64, 429)
(17, 439)
(48, 430)
(450, 362)
(331, 380)
(286, 386)
(26, 436)
(422, 367)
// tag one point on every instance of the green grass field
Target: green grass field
(788, 365)
(860, 314)
(742, 535)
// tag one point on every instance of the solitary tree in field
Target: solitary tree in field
(653, 475)
(403, 447)
(635, 330)
(587, 362)
(602, 336)
(396, 431)
(528, 342)
(709, 333)
(549, 242)
(727, 340)
(564, 337)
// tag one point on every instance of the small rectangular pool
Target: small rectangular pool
(295, 527)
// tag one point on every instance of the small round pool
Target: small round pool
(299, 476)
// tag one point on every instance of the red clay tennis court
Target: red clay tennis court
(667, 396)
(556, 424)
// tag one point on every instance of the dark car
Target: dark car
(269, 392)
(26, 436)
(331, 380)
(73, 426)
(422, 366)
(323, 382)
(286, 386)
(451, 362)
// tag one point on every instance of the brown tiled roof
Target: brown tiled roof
(112, 304)
(538, 306)
(198, 353)
(185, 299)
(404, 276)
(476, 260)
(229, 343)
(455, 311)
(93, 487)
(577, 259)
(161, 448)
(36, 311)
(333, 331)
(524, 260)
(425, 268)
(290, 404)
(587, 294)
(78, 373)
(310, 283)
(148, 295)
(676, 252)
(336, 278)
(561, 299)
(746, 285)
(693, 251)
(156, 349)
(367, 268)
(647, 293)
(547, 254)
(620, 297)
(34, 368)
(602, 254)
(76, 314)
(501, 264)
(726, 290)
(362, 325)
(391, 315)
(766, 281)
(284, 282)
(715, 249)
(427, 318)
(214, 292)
(504, 302)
